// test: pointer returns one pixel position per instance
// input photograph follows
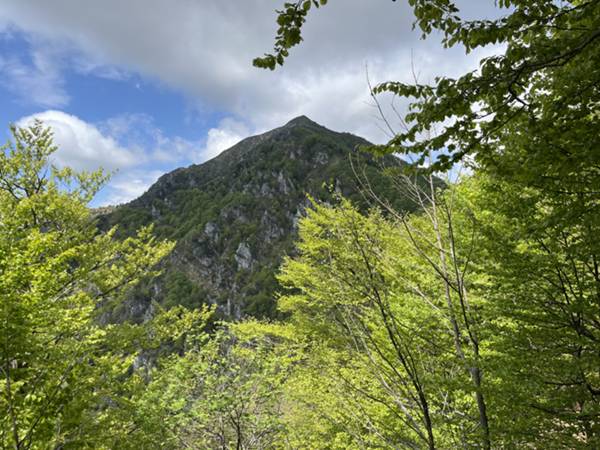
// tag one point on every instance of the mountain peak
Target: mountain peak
(236, 216)
(301, 120)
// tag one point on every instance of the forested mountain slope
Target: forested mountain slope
(235, 216)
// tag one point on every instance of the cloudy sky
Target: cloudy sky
(140, 87)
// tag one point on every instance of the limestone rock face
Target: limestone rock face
(211, 230)
(235, 217)
(243, 257)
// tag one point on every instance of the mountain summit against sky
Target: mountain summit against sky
(235, 216)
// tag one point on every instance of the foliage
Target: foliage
(223, 393)
(377, 318)
(542, 282)
(471, 322)
(504, 317)
(526, 122)
(65, 377)
(466, 317)
(544, 83)
(290, 21)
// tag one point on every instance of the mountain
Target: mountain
(235, 217)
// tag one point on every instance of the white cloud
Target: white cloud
(130, 146)
(204, 48)
(81, 145)
(37, 77)
(138, 131)
(124, 187)
(228, 133)
(39, 82)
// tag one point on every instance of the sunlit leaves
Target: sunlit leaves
(66, 377)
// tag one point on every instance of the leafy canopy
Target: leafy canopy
(65, 377)
(544, 80)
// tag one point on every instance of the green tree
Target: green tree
(65, 378)
(388, 333)
(527, 121)
(545, 80)
(224, 392)
(541, 278)
(474, 307)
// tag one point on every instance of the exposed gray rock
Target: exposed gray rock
(265, 190)
(212, 231)
(243, 256)
(321, 158)
(270, 228)
(284, 183)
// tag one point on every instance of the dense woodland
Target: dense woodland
(473, 322)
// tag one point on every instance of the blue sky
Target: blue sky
(137, 112)
(141, 87)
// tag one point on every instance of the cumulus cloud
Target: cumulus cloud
(138, 131)
(131, 147)
(81, 145)
(205, 50)
(228, 133)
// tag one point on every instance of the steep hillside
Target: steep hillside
(235, 216)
